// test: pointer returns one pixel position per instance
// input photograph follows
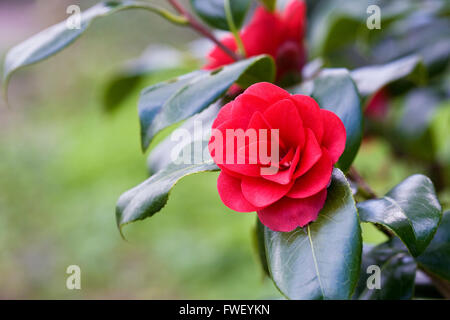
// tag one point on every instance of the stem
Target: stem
(369, 194)
(202, 30)
(233, 28)
(441, 285)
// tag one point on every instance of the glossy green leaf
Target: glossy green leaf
(334, 90)
(150, 196)
(321, 260)
(128, 78)
(213, 13)
(57, 37)
(411, 210)
(436, 258)
(397, 273)
(370, 79)
(200, 124)
(169, 102)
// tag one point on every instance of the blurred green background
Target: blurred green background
(64, 162)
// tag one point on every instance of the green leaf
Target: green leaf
(397, 273)
(260, 246)
(212, 12)
(269, 4)
(436, 258)
(53, 39)
(335, 90)
(150, 196)
(159, 157)
(321, 260)
(169, 102)
(370, 79)
(125, 80)
(411, 210)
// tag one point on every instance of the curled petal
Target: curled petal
(231, 194)
(311, 153)
(287, 214)
(267, 91)
(335, 135)
(314, 180)
(260, 192)
(310, 113)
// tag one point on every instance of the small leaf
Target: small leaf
(397, 273)
(169, 102)
(370, 79)
(269, 4)
(334, 90)
(150, 196)
(126, 79)
(411, 210)
(436, 258)
(321, 260)
(52, 40)
(212, 12)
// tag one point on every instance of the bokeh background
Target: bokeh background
(64, 161)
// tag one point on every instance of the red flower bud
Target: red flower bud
(279, 34)
(303, 143)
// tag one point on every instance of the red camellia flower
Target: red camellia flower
(310, 142)
(279, 34)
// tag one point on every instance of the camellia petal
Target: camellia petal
(260, 192)
(311, 153)
(310, 113)
(267, 91)
(335, 135)
(284, 115)
(285, 176)
(231, 194)
(314, 180)
(287, 214)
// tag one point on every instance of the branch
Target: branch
(368, 193)
(202, 30)
(441, 285)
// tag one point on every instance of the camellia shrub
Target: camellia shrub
(280, 107)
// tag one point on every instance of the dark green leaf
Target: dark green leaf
(150, 196)
(321, 260)
(372, 78)
(411, 210)
(54, 39)
(213, 12)
(334, 90)
(397, 272)
(169, 102)
(124, 81)
(436, 258)
(160, 156)
(260, 246)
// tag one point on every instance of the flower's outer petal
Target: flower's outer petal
(314, 180)
(285, 176)
(287, 214)
(311, 153)
(294, 20)
(246, 105)
(260, 192)
(223, 115)
(262, 34)
(267, 91)
(284, 116)
(231, 195)
(309, 111)
(218, 58)
(335, 135)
